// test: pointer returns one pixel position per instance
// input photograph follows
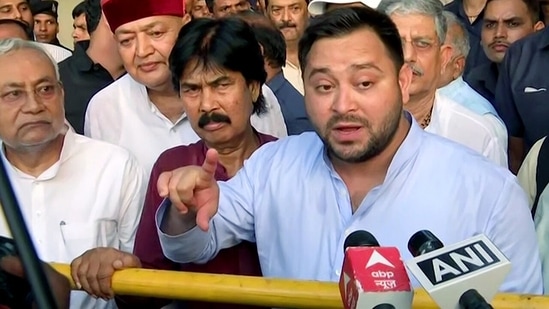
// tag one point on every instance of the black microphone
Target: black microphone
(384, 306)
(471, 299)
(424, 242)
(360, 238)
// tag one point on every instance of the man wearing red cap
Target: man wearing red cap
(141, 111)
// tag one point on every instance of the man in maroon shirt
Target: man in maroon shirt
(217, 68)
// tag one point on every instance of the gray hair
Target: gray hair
(460, 42)
(432, 8)
(11, 45)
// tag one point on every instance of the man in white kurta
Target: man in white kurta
(454, 121)
(75, 193)
(124, 113)
(425, 52)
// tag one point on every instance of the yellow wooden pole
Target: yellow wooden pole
(262, 291)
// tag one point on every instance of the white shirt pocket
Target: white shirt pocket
(77, 238)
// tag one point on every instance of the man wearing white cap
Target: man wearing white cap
(317, 7)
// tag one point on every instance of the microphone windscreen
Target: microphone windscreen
(384, 306)
(471, 299)
(360, 239)
(423, 242)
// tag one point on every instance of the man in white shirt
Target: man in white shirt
(75, 193)
(422, 28)
(141, 111)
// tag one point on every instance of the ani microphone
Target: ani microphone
(460, 276)
(373, 276)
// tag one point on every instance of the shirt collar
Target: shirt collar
(455, 84)
(139, 91)
(406, 152)
(544, 38)
(82, 61)
(276, 82)
(69, 142)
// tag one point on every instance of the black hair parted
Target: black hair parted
(343, 21)
(219, 44)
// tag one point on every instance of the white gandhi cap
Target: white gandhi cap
(318, 7)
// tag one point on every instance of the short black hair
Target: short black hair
(274, 46)
(533, 6)
(268, 36)
(343, 21)
(93, 14)
(79, 9)
(226, 43)
(20, 24)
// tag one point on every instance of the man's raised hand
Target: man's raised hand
(193, 190)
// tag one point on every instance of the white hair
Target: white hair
(11, 45)
(432, 8)
(459, 42)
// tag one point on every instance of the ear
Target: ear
(186, 18)
(539, 25)
(404, 81)
(255, 90)
(445, 55)
(459, 66)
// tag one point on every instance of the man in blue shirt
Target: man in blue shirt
(369, 166)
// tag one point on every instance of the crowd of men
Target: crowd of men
(250, 138)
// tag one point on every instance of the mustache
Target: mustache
(416, 70)
(338, 118)
(499, 42)
(206, 119)
(286, 24)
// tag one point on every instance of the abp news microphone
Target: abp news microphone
(463, 275)
(373, 276)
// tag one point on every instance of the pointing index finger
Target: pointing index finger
(210, 163)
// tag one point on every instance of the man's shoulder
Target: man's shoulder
(474, 95)
(478, 73)
(123, 83)
(183, 155)
(56, 52)
(66, 62)
(459, 162)
(101, 150)
(124, 87)
(290, 91)
(528, 46)
(462, 113)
